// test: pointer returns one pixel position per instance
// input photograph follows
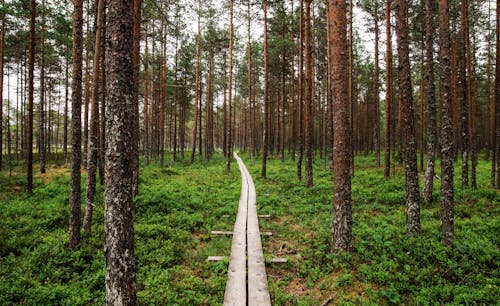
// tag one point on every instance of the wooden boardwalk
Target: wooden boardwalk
(246, 275)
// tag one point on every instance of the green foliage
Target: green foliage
(178, 207)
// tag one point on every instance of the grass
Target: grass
(178, 207)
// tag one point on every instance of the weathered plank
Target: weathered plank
(258, 293)
(216, 258)
(221, 233)
(236, 290)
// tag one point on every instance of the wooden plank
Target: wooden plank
(236, 291)
(258, 293)
(264, 216)
(221, 233)
(266, 233)
(279, 260)
(216, 258)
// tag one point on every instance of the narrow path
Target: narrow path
(246, 286)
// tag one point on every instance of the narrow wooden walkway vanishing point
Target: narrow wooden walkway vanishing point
(246, 275)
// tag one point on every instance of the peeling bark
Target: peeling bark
(408, 120)
(120, 154)
(342, 210)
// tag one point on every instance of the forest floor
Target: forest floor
(178, 207)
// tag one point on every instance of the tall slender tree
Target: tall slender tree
(31, 77)
(447, 206)
(342, 209)
(229, 86)
(41, 105)
(300, 93)
(309, 101)
(376, 85)
(93, 142)
(197, 83)
(265, 144)
(388, 90)
(76, 126)
(137, 63)
(120, 154)
(497, 95)
(408, 120)
(430, 96)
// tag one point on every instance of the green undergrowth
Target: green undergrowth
(178, 206)
(385, 266)
(175, 211)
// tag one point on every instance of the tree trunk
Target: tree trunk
(163, 79)
(497, 95)
(137, 67)
(76, 126)
(309, 101)
(93, 143)
(464, 97)
(342, 210)
(376, 85)
(197, 86)
(300, 114)
(447, 209)
(41, 110)
(120, 154)
(470, 93)
(431, 103)
(408, 120)
(252, 122)
(230, 82)
(266, 97)
(31, 68)
(388, 90)
(66, 99)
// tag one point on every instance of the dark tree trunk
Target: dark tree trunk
(41, 107)
(408, 120)
(66, 100)
(93, 142)
(230, 92)
(309, 101)
(120, 154)
(31, 68)
(376, 90)
(197, 86)
(137, 66)
(464, 98)
(388, 92)
(265, 143)
(342, 210)
(497, 95)
(447, 209)
(76, 126)
(300, 113)
(431, 103)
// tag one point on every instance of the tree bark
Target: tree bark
(120, 154)
(309, 101)
(497, 95)
(229, 86)
(447, 193)
(137, 67)
(342, 210)
(388, 90)
(31, 68)
(41, 111)
(76, 126)
(464, 96)
(300, 113)
(93, 142)
(408, 120)
(431, 103)
(265, 143)
(197, 85)
(376, 85)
